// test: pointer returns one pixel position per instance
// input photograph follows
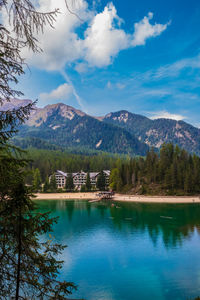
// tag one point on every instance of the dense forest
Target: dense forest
(48, 161)
(173, 171)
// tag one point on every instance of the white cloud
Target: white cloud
(101, 39)
(62, 92)
(175, 69)
(144, 30)
(166, 115)
(61, 44)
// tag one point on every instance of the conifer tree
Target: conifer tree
(36, 180)
(69, 183)
(101, 181)
(28, 267)
(88, 183)
(53, 184)
(46, 186)
(115, 180)
(83, 188)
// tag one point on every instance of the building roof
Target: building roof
(107, 172)
(92, 174)
(61, 173)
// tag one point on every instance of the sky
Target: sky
(141, 56)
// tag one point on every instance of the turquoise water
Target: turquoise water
(129, 251)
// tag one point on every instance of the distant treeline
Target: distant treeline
(171, 172)
(48, 161)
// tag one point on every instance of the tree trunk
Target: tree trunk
(19, 255)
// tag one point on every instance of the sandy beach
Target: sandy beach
(56, 196)
(120, 197)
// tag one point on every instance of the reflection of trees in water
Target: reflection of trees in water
(75, 217)
(128, 218)
(70, 209)
(173, 223)
(88, 207)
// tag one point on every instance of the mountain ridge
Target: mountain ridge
(156, 132)
(116, 132)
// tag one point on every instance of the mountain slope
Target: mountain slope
(65, 126)
(156, 132)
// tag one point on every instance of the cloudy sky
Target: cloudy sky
(142, 56)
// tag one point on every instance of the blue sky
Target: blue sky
(142, 56)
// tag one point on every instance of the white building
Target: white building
(79, 178)
(60, 178)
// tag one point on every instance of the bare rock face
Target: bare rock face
(65, 126)
(156, 132)
(117, 132)
(40, 115)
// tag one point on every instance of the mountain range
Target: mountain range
(117, 132)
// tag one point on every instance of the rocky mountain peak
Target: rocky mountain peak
(14, 104)
(58, 110)
(118, 132)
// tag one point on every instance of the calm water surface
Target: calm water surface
(129, 251)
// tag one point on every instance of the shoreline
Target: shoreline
(119, 197)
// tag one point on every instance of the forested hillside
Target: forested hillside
(174, 171)
(156, 132)
(48, 161)
(64, 126)
(60, 126)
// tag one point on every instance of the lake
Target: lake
(129, 250)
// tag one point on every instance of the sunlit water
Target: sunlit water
(129, 251)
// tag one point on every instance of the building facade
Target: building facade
(79, 178)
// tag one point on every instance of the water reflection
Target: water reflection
(129, 250)
(172, 223)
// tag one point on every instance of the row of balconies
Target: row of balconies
(78, 181)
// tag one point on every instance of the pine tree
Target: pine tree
(88, 183)
(36, 180)
(83, 188)
(28, 267)
(101, 181)
(46, 186)
(69, 183)
(187, 183)
(53, 184)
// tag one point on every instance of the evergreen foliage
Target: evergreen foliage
(173, 171)
(36, 180)
(28, 266)
(46, 186)
(115, 180)
(83, 188)
(48, 161)
(88, 183)
(53, 185)
(154, 132)
(101, 181)
(69, 183)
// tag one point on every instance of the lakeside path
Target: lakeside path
(120, 197)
